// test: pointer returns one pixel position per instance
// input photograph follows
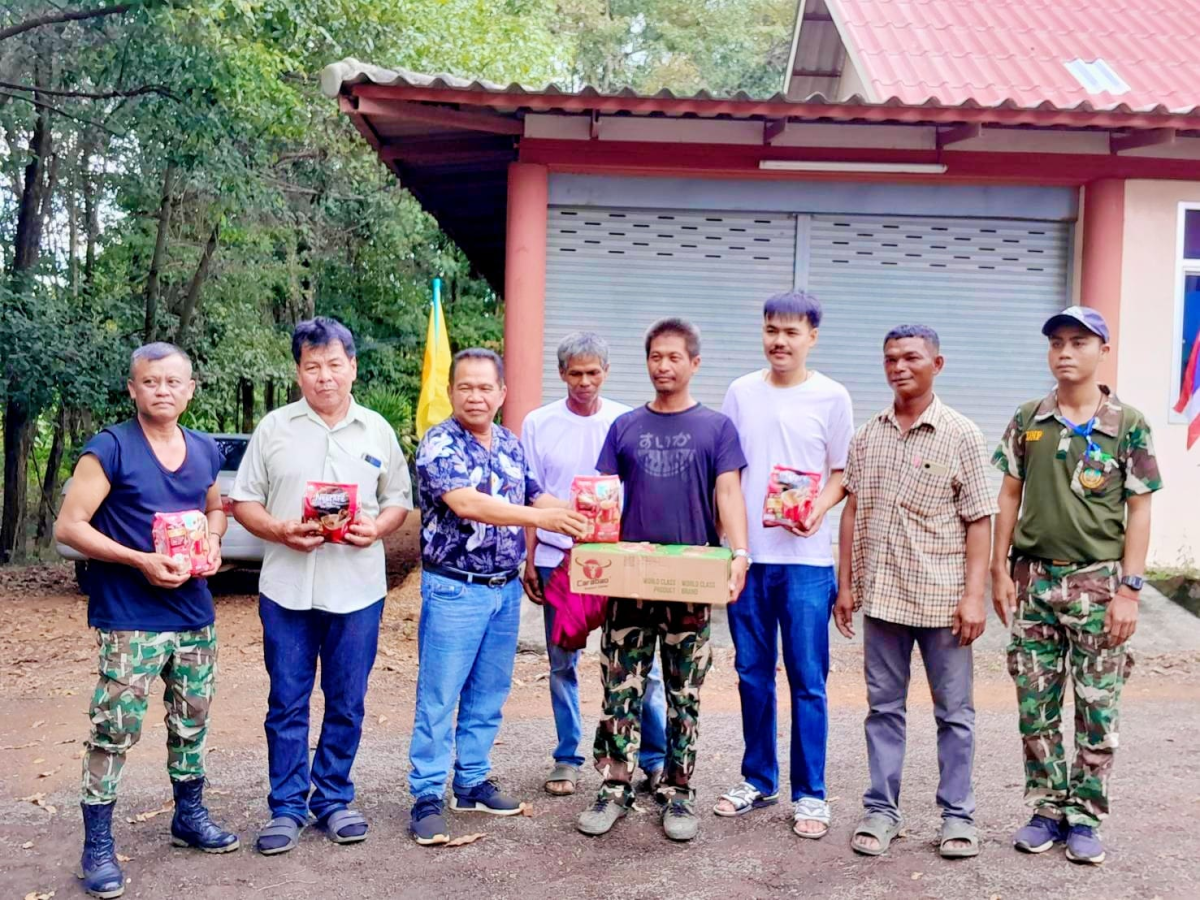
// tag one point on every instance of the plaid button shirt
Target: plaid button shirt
(916, 492)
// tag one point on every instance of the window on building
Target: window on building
(1187, 316)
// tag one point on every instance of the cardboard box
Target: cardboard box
(652, 572)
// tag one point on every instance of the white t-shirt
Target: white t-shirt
(807, 427)
(560, 445)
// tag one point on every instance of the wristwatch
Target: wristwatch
(743, 554)
(1133, 582)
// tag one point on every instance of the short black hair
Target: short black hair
(478, 353)
(794, 305)
(320, 332)
(672, 325)
(915, 331)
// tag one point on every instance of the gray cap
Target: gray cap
(1078, 315)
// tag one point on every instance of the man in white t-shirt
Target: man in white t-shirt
(787, 415)
(562, 440)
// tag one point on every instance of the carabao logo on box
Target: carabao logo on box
(593, 572)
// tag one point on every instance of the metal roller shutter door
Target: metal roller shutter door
(615, 271)
(985, 286)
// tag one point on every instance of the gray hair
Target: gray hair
(582, 345)
(154, 352)
(681, 327)
(320, 332)
(478, 353)
(927, 334)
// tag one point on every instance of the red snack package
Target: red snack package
(334, 506)
(599, 498)
(182, 536)
(790, 496)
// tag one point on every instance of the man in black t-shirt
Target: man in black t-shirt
(680, 464)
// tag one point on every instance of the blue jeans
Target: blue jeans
(293, 641)
(796, 600)
(467, 643)
(564, 700)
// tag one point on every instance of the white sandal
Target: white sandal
(810, 809)
(745, 798)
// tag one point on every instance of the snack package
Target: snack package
(333, 505)
(790, 496)
(182, 536)
(599, 498)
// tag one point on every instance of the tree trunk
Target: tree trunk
(73, 234)
(193, 291)
(18, 440)
(269, 395)
(91, 215)
(293, 392)
(246, 391)
(28, 240)
(150, 331)
(48, 505)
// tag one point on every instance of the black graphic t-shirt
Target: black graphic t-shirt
(669, 463)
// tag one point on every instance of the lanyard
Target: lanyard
(1093, 450)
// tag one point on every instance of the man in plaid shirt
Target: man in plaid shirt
(914, 548)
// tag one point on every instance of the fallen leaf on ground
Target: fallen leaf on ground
(47, 774)
(527, 810)
(39, 895)
(518, 682)
(381, 719)
(28, 845)
(466, 839)
(32, 798)
(121, 857)
(39, 760)
(38, 724)
(150, 814)
(916, 876)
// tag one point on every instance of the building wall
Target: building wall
(1144, 370)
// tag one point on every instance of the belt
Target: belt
(493, 579)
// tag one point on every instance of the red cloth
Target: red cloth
(575, 615)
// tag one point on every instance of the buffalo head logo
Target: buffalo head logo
(593, 568)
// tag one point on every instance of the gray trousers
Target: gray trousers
(887, 660)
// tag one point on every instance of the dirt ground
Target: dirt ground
(47, 671)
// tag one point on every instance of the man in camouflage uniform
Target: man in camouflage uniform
(153, 613)
(1075, 510)
(680, 465)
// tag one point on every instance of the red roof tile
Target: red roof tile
(990, 51)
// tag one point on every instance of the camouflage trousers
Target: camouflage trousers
(1059, 628)
(130, 663)
(632, 632)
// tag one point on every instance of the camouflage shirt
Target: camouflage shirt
(1073, 508)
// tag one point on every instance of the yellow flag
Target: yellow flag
(434, 405)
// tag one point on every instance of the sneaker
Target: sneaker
(428, 824)
(679, 819)
(1083, 845)
(600, 817)
(1039, 835)
(484, 797)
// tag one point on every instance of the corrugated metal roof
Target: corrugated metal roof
(993, 51)
(350, 71)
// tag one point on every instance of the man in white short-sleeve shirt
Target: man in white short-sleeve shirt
(319, 600)
(787, 415)
(563, 439)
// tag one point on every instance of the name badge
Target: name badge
(1034, 435)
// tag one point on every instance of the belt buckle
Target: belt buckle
(497, 581)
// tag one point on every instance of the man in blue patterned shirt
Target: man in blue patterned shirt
(477, 495)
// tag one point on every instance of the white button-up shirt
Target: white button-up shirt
(292, 446)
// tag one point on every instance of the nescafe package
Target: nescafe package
(334, 506)
(598, 498)
(182, 536)
(790, 496)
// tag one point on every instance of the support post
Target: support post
(1103, 240)
(524, 289)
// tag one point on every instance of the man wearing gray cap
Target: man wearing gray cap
(1079, 469)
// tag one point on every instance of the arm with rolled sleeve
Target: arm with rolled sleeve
(975, 507)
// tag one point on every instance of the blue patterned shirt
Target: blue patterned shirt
(449, 459)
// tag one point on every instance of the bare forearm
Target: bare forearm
(82, 536)
(1006, 524)
(1137, 536)
(979, 545)
(254, 517)
(846, 543)
(218, 522)
(390, 520)
(832, 494)
(531, 545)
(731, 507)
